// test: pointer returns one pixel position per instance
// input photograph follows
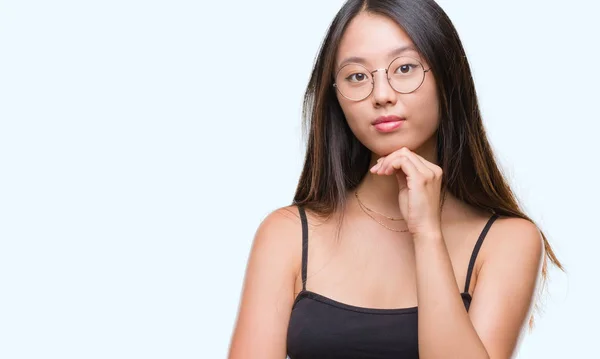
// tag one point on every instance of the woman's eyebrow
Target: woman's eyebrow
(363, 61)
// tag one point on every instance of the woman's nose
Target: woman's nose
(383, 93)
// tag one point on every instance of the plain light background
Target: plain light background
(142, 142)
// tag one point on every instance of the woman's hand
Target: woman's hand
(419, 184)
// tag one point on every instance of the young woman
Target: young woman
(404, 239)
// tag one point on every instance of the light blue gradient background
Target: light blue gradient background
(142, 142)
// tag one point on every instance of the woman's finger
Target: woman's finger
(414, 158)
(407, 166)
(432, 166)
(385, 167)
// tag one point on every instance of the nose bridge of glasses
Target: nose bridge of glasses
(385, 75)
(374, 71)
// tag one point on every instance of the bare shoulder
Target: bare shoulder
(268, 290)
(513, 238)
(284, 222)
(504, 294)
(280, 233)
(509, 240)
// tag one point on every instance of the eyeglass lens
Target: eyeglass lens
(355, 82)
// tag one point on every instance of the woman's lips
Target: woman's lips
(387, 123)
(388, 126)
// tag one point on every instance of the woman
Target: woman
(404, 239)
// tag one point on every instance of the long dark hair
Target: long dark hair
(336, 161)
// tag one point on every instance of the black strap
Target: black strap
(304, 244)
(476, 250)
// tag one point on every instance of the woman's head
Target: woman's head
(442, 113)
(378, 71)
(442, 117)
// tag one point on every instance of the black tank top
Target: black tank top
(321, 327)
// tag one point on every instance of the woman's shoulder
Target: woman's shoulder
(513, 238)
(281, 229)
(517, 233)
(506, 237)
(505, 231)
(282, 220)
(279, 238)
(287, 219)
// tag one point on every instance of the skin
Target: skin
(429, 262)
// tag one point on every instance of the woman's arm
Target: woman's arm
(268, 292)
(502, 298)
(505, 286)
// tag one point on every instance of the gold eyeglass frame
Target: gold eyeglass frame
(387, 77)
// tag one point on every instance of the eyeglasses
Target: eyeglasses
(355, 82)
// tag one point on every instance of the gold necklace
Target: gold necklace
(365, 208)
(374, 211)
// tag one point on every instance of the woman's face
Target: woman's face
(374, 39)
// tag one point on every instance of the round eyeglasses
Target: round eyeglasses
(355, 82)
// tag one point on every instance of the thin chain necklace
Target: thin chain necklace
(365, 209)
(374, 211)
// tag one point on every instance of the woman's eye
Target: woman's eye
(405, 68)
(357, 77)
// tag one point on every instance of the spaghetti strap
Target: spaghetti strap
(304, 244)
(476, 250)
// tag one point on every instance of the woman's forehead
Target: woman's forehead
(371, 37)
